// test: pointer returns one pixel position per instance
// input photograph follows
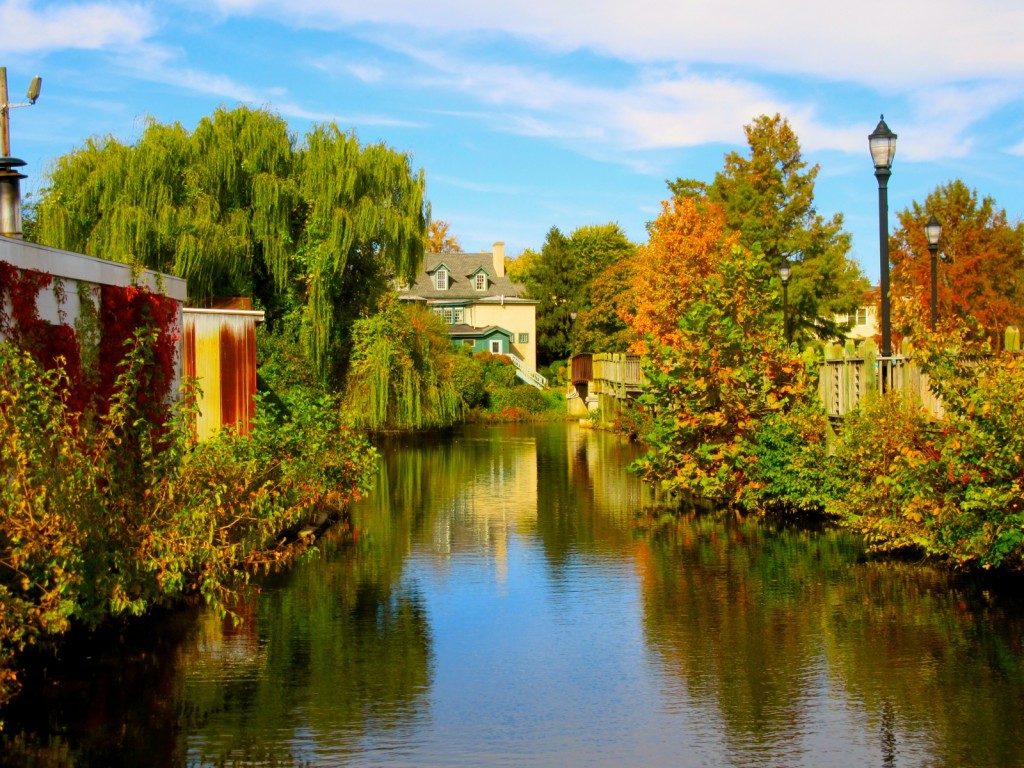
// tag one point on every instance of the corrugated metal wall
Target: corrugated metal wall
(220, 351)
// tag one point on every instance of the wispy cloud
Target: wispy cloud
(475, 186)
(918, 41)
(30, 27)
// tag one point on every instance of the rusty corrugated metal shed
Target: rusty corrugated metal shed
(220, 352)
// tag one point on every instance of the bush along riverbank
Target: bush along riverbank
(733, 411)
(949, 491)
(109, 512)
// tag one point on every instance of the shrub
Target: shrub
(111, 515)
(789, 466)
(521, 397)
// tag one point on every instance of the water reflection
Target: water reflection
(515, 597)
(809, 656)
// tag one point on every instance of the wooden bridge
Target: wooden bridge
(603, 381)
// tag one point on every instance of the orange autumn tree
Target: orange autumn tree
(440, 239)
(687, 242)
(981, 273)
(715, 357)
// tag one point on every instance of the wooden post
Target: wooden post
(5, 121)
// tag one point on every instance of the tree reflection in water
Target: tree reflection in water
(515, 597)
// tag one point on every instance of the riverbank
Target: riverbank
(109, 515)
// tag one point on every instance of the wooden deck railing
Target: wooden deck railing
(845, 382)
(848, 376)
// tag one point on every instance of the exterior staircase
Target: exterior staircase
(527, 374)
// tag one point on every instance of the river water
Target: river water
(516, 598)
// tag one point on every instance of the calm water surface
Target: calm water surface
(515, 598)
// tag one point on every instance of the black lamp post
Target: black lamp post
(784, 274)
(933, 231)
(883, 148)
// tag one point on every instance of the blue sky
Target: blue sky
(546, 113)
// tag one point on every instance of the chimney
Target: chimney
(10, 197)
(499, 259)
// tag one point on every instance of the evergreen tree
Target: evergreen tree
(551, 282)
(561, 278)
(768, 198)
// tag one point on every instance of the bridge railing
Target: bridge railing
(605, 380)
(845, 382)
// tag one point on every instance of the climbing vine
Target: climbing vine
(99, 337)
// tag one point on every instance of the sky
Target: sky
(543, 113)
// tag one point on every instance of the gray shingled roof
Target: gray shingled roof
(462, 267)
(470, 331)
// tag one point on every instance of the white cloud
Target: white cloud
(703, 68)
(882, 43)
(29, 26)
(662, 110)
(366, 73)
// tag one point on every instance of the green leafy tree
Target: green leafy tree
(236, 207)
(520, 268)
(561, 279)
(601, 327)
(982, 269)
(365, 220)
(768, 197)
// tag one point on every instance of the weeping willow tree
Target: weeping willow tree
(239, 207)
(403, 370)
(365, 208)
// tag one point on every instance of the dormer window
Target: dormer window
(441, 279)
(480, 281)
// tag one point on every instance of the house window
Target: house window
(447, 315)
(862, 316)
(441, 280)
(495, 346)
(458, 315)
(481, 281)
(524, 338)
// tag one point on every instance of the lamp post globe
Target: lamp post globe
(882, 143)
(933, 231)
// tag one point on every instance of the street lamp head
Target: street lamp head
(933, 231)
(572, 315)
(784, 272)
(883, 145)
(33, 89)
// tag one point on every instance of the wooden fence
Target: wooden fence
(845, 382)
(848, 375)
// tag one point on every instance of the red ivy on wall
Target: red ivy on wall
(123, 312)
